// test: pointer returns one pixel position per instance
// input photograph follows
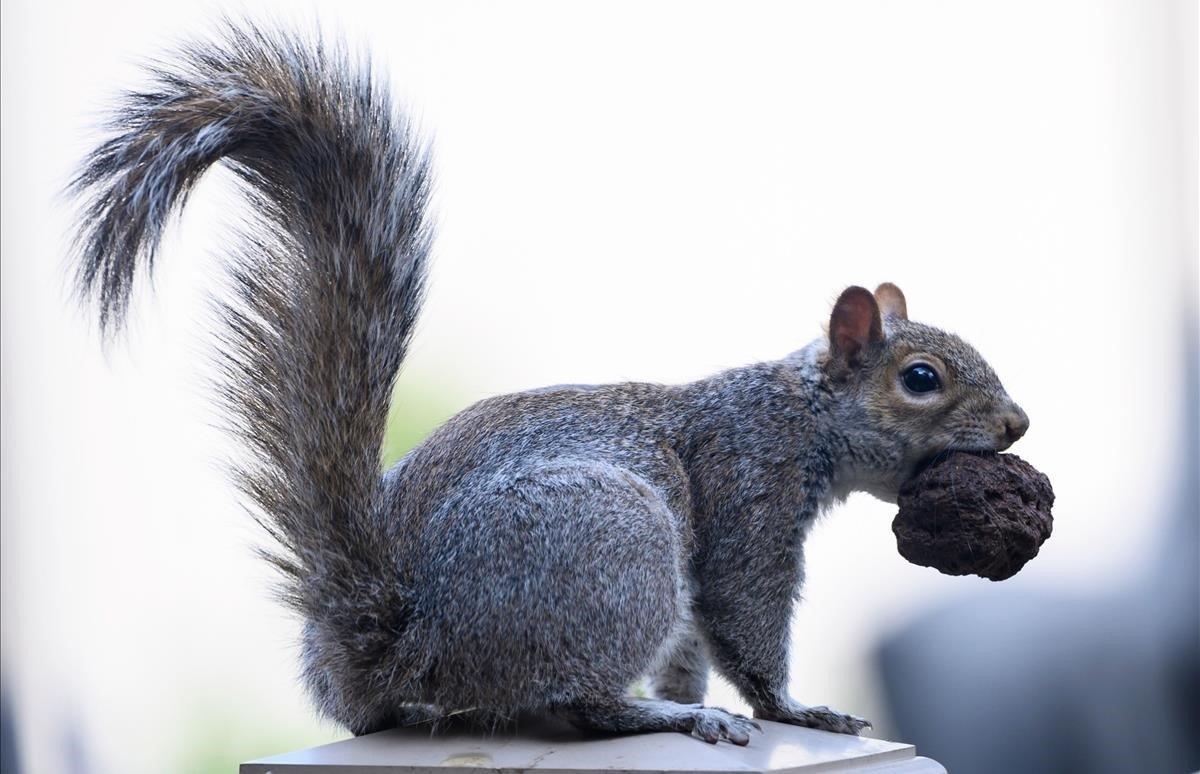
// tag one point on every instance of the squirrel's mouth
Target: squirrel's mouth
(925, 462)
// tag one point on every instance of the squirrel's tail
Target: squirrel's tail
(326, 291)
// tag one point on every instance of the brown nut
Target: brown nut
(980, 514)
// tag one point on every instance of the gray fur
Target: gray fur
(540, 551)
(684, 676)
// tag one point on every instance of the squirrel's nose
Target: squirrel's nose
(1015, 424)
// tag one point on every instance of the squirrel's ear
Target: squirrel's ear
(891, 301)
(854, 325)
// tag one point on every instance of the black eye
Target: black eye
(921, 378)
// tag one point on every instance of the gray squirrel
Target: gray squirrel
(540, 551)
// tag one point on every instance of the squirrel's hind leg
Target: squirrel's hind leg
(550, 583)
(642, 716)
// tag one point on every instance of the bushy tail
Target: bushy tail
(326, 291)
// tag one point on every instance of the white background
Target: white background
(626, 191)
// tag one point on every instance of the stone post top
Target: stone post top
(547, 746)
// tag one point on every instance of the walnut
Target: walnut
(981, 514)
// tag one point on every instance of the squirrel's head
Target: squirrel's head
(915, 391)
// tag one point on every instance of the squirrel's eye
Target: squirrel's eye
(921, 378)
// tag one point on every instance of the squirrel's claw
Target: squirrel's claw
(821, 718)
(831, 720)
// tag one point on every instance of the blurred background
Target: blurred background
(651, 192)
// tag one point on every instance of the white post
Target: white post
(546, 747)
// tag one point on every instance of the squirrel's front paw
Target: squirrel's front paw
(821, 718)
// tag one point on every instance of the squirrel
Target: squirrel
(540, 551)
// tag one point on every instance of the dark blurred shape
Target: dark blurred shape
(1008, 681)
(9, 761)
